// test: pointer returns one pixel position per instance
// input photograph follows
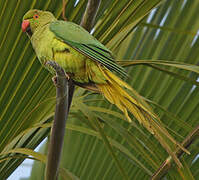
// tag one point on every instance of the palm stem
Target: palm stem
(65, 90)
(90, 14)
(167, 164)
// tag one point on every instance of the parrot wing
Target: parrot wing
(81, 40)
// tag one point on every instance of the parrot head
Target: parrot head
(36, 18)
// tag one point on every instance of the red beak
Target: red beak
(25, 24)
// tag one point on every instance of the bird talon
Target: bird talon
(67, 76)
(54, 79)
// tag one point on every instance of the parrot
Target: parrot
(90, 65)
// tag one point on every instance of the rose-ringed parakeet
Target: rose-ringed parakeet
(88, 63)
(85, 60)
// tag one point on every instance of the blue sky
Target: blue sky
(24, 170)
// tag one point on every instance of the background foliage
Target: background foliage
(27, 95)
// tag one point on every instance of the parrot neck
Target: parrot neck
(33, 30)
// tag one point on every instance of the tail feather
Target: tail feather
(114, 92)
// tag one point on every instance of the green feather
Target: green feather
(80, 39)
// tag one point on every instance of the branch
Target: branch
(64, 89)
(88, 19)
(166, 165)
(64, 10)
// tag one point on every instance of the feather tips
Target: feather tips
(79, 39)
(114, 92)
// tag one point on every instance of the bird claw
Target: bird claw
(54, 79)
(67, 76)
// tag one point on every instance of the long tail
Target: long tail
(115, 93)
(134, 103)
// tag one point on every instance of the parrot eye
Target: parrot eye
(36, 16)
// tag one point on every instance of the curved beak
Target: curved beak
(25, 24)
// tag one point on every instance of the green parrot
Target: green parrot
(89, 64)
(85, 60)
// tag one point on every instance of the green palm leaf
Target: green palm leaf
(27, 94)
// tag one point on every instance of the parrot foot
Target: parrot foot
(59, 71)
(67, 76)
(54, 79)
